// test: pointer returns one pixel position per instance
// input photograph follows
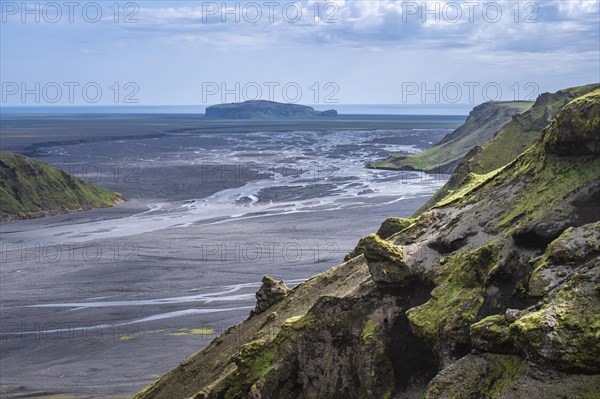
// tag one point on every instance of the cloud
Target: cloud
(368, 47)
(532, 26)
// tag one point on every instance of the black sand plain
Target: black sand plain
(98, 304)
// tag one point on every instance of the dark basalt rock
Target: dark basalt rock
(386, 262)
(576, 130)
(539, 235)
(269, 294)
(392, 226)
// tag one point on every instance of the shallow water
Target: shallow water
(98, 303)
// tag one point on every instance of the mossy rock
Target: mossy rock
(563, 256)
(564, 334)
(386, 261)
(576, 130)
(253, 360)
(444, 320)
(492, 334)
(270, 293)
(393, 226)
(483, 376)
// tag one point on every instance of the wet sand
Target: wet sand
(101, 303)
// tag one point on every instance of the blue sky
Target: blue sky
(354, 52)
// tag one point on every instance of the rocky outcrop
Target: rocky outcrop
(386, 261)
(458, 305)
(575, 131)
(393, 226)
(269, 294)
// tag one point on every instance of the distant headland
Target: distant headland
(262, 109)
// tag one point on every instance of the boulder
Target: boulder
(269, 294)
(392, 226)
(386, 262)
(576, 130)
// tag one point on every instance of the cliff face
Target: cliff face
(493, 293)
(262, 109)
(30, 188)
(482, 124)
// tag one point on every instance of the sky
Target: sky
(433, 53)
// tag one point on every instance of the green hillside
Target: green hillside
(31, 188)
(483, 123)
(513, 138)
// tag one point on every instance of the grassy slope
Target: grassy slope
(30, 188)
(514, 138)
(521, 133)
(483, 122)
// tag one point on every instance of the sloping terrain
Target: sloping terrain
(31, 188)
(493, 293)
(515, 137)
(483, 123)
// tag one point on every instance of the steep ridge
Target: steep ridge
(31, 188)
(482, 124)
(493, 293)
(515, 137)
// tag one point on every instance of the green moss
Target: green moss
(520, 290)
(537, 282)
(374, 248)
(550, 179)
(471, 183)
(392, 226)
(253, 361)
(491, 334)
(566, 330)
(505, 370)
(457, 297)
(485, 376)
(298, 323)
(368, 330)
(292, 320)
